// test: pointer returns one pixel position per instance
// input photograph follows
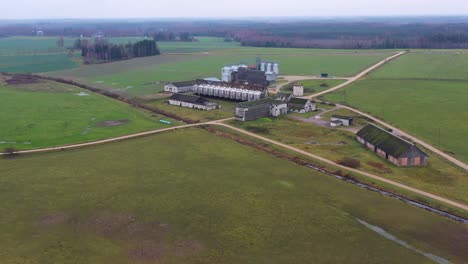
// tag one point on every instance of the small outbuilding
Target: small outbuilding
(192, 101)
(343, 120)
(179, 87)
(301, 105)
(391, 147)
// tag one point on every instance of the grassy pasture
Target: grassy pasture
(419, 64)
(203, 208)
(36, 63)
(438, 177)
(49, 114)
(204, 44)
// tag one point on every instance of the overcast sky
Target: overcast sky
(24, 9)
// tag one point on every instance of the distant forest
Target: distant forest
(102, 51)
(377, 33)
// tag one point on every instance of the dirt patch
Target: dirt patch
(146, 252)
(112, 123)
(380, 166)
(109, 224)
(19, 79)
(185, 248)
(54, 219)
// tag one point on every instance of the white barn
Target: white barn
(179, 87)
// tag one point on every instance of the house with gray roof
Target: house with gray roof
(391, 147)
(252, 110)
(339, 120)
(301, 105)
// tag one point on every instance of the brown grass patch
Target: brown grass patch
(112, 123)
(53, 219)
(19, 79)
(380, 166)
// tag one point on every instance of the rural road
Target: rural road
(294, 78)
(357, 77)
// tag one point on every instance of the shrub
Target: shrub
(350, 162)
(10, 151)
(259, 130)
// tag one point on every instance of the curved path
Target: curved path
(357, 77)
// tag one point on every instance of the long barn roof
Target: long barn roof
(384, 140)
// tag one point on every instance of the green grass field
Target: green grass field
(185, 199)
(443, 65)
(439, 177)
(49, 114)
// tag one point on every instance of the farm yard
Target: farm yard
(421, 99)
(438, 177)
(39, 114)
(203, 208)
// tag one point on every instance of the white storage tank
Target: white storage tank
(276, 68)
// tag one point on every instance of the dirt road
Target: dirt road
(357, 77)
(109, 140)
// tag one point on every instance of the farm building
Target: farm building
(391, 147)
(192, 101)
(270, 68)
(285, 97)
(338, 120)
(248, 111)
(301, 105)
(250, 77)
(298, 90)
(228, 70)
(179, 87)
(229, 90)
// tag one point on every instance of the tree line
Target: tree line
(103, 51)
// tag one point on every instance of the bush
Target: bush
(10, 151)
(259, 130)
(350, 162)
